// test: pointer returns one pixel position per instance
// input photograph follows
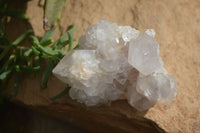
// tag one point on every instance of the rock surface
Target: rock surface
(177, 31)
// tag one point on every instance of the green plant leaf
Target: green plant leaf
(47, 73)
(49, 51)
(63, 93)
(19, 54)
(64, 37)
(30, 69)
(33, 39)
(37, 60)
(62, 44)
(13, 13)
(5, 74)
(46, 42)
(71, 29)
(7, 63)
(52, 13)
(28, 52)
(21, 38)
(17, 68)
(5, 51)
(77, 46)
(47, 36)
(70, 42)
(35, 51)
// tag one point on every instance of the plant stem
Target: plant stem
(47, 73)
(64, 92)
(23, 48)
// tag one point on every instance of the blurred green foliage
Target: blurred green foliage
(16, 59)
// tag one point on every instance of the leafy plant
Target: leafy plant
(17, 59)
(27, 59)
(6, 45)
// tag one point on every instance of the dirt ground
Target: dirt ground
(177, 26)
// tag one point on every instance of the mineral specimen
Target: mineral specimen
(115, 61)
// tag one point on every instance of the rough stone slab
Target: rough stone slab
(177, 31)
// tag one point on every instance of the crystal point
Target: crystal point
(144, 54)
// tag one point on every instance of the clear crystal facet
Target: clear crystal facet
(144, 54)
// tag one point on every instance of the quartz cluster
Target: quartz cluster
(117, 61)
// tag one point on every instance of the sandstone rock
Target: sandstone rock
(177, 31)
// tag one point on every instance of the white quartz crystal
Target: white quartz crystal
(115, 61)
(144, 54)
(150, 32)
(156, 86)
